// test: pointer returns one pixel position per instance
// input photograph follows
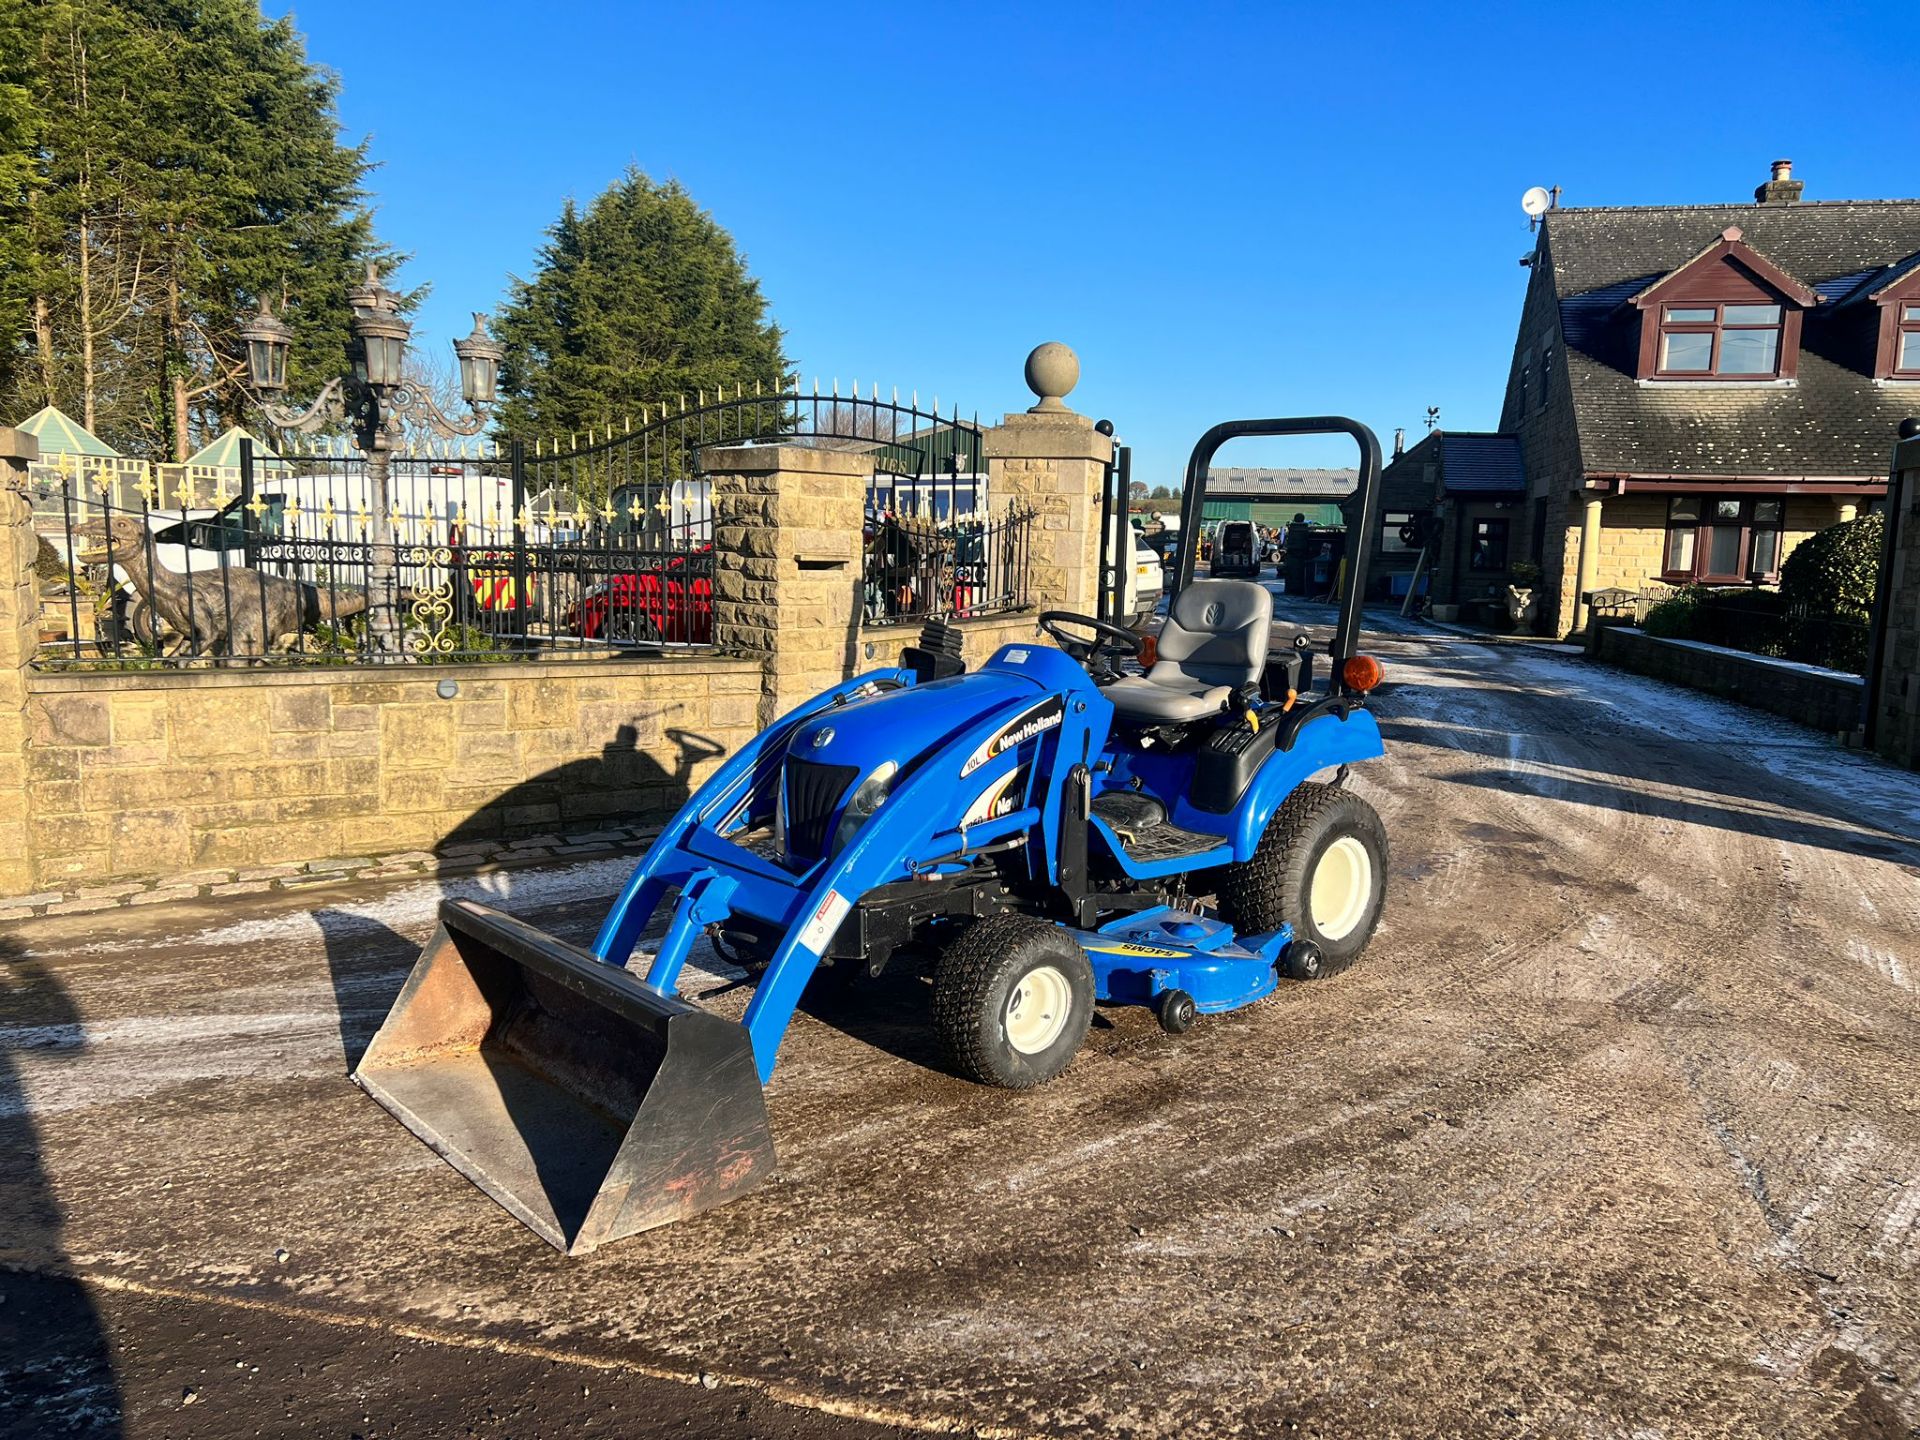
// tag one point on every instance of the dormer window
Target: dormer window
(1897, 296)
(1728, 314)
(1704, 341)
(1906, 354)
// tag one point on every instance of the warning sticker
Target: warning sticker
(825, 923)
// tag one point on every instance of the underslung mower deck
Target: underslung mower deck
(1041, 824)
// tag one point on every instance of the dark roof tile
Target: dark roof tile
(1482, 465)
(1833, 421)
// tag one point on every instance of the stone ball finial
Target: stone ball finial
(1052, 372)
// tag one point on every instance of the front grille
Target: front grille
(813, 791)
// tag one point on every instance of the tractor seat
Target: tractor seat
(1214, 642)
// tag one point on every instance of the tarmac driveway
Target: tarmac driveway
(1616, 1131)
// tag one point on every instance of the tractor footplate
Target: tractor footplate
(1141, 825)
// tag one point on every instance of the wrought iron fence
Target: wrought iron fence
(489, 555)
(919, 568)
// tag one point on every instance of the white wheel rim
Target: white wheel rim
(1342, 887)
(1037, 1010)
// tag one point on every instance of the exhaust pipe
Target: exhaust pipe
(588, 1104)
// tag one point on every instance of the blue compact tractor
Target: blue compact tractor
(1055, 833)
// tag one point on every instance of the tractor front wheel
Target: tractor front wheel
(1012, 1000)
(1321, 867)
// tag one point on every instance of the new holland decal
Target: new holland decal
(1023, 727)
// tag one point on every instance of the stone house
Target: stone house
(1476, 482)
(1696, 388)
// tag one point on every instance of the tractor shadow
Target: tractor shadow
(891, 1011)
(620, 785)
(56, 1366)
(368, 962)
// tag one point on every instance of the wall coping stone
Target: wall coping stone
(807, 459)
(1052, 435)
(1763, 662)
(55, 682)
(18, 445)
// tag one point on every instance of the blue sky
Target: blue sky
(1226, 210)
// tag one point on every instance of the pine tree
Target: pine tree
(640, 299)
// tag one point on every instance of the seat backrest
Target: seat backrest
(1216, 633)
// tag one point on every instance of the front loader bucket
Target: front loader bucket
(588, 1104)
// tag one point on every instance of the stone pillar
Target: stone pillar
(1589, 567)
(1849, 510)
(787, 564)
(19, 636)
(1053, 461)
(1893, 675)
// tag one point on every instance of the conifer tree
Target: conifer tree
(639, 299)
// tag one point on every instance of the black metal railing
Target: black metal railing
(1760, 622)
(295, 567)
(492, 553)
(919, 568)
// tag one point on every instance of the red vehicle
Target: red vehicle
(672, 602)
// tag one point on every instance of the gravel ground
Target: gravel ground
(1614, 1133)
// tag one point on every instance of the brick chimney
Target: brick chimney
(1782, 189)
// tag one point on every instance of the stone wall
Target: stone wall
(1824, 699)
(168, 774)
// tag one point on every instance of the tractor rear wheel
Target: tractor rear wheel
(1012, 1000)
(1321, 867)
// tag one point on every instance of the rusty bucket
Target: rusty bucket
(588, 1104)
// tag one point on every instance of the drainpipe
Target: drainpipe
(1589, 565)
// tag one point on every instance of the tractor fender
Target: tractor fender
(1323, 743)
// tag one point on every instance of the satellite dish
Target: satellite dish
(1535, 201)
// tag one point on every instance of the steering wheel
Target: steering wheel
(1109, 639)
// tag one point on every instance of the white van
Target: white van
(1140, 582)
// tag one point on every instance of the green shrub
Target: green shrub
(1833, 571)
(1743, 619)
(1672, 618)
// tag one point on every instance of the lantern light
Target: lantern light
(381, 334)
(268, 341)
(479, 357)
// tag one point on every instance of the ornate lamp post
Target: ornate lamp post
(376, 397)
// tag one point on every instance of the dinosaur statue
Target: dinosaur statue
(254, 613)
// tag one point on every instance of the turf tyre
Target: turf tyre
(974, 986)
(1318, 825)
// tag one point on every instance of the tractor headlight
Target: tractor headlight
(867, 797)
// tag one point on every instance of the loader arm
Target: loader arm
(716, 877)
(727, 787)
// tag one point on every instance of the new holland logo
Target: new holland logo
(1022, 728)
(1211, 615)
